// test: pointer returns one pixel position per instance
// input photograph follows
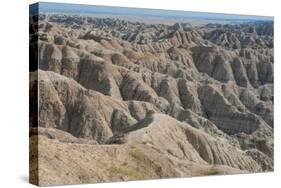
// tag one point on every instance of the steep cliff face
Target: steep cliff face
(172, 100)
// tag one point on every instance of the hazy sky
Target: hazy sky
(92, 9)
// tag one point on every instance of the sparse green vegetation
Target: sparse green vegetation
(137, 154)
(125, 172)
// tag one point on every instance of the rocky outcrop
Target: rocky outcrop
(178, 100)
(186, 152)
(65, 105)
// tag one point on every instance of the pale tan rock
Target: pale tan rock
(170, 101)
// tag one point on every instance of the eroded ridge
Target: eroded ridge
(125, 100)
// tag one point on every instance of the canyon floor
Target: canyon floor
(125, 100)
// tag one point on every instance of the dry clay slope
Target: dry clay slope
(158, 144)
(122, 86)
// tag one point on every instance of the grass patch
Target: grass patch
(137, 154)
(125, 172)
(148, 165)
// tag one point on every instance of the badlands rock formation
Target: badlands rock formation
(122, 100)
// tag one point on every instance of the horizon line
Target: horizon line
(98, 9)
